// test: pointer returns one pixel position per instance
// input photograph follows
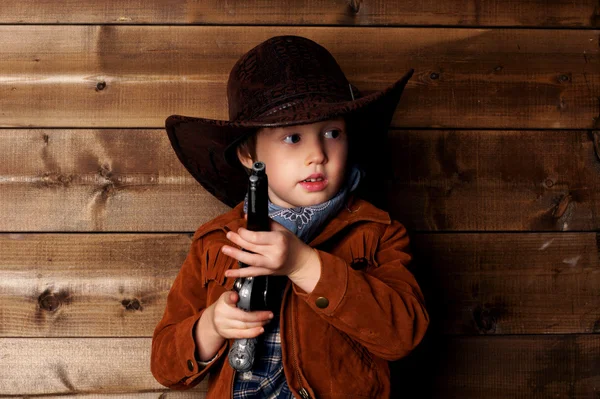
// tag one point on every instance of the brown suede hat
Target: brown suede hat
(284, 81)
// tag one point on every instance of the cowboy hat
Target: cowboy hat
(284, 81)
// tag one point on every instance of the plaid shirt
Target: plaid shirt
(266, 379)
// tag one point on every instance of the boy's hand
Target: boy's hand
(277, 252)
(231, 322)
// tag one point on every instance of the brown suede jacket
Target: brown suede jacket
(365, 310)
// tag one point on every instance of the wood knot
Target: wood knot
(485, 319)
(596, 141)
(354, 5)
(105, 171)
(131, 304)
(100, 86)
(562, 206)
(51, 301)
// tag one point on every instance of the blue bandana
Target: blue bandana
(305, 221)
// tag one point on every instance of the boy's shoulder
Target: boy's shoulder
(356, 219)
(367, 216)
(358, 209)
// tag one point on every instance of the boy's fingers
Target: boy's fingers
(249, 271)
(245, 325)
(231, 298)
(255, 237)
(246, 333)
(238, 240)
(248, 258)
(251, 317)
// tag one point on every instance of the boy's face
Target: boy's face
(293, 154)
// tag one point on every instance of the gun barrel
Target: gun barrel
(258, 194)
(252, 291)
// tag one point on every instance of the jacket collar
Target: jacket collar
(356, 210)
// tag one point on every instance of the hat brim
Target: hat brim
(206, 146)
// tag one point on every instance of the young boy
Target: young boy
(349, 305)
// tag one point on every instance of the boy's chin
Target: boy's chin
(314, 199)
(308, 200)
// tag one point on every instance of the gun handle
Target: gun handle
(241, 355)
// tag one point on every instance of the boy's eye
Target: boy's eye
(292, 139)
(333, 134)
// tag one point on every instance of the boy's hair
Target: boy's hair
(247, 148)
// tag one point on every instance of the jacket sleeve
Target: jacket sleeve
(173, 360)
(381, 307)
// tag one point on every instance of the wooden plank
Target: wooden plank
(496, 180)
(87, 285)
(495, 367)
(520, 367)
(54, 366)
(131, 180)
(580, 13)
(532, 283)
(135, 76)
(103, 285)
(101, 180)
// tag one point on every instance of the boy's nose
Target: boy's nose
(316, 154)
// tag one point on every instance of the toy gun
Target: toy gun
(253, 291)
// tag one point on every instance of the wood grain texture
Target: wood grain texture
(580, 13)
(116, 285)
(523, 367)
(102, 180)
(441, 180)
(525, 283)
(79, 366)
(87, 285)
(515, 304)
(520, 367)
(135, 76)
(495, 180)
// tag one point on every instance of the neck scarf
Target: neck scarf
(305, 221)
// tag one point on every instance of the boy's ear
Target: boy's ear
(244, 159)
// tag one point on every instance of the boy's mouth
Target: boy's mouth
(313, 178)
(314, 182)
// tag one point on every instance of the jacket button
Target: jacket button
(322, 302)
(190, 365)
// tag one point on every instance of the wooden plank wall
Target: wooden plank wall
(496, 173)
